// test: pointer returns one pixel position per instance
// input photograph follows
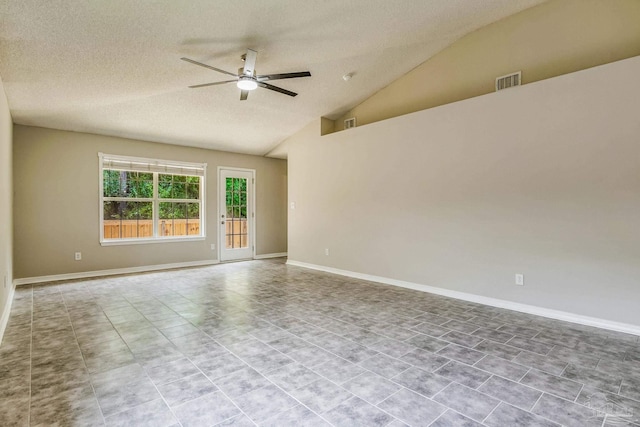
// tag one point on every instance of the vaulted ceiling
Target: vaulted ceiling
(113, 67)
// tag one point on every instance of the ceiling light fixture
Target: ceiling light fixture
(247, 83)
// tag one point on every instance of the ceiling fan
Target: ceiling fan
(247, 79)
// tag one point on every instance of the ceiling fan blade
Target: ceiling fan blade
(276, 89)
(283, 76)
(250, 63)
(209, 67)
(243, 95)
(213, 84)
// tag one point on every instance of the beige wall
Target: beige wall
(541, 180)
(555, 38)
(6, 255)
(56, 203)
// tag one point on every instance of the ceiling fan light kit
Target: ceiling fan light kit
(246, 83)
(246, 80)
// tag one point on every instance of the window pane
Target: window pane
(164, 190)
(165, 223)
(111, 183)
(180, 210)
(111, 223)
(193, 191)
(122, 219)
(178, 190)
(193, 210)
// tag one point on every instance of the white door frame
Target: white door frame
(251, 217)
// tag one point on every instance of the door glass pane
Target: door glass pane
(236, 222)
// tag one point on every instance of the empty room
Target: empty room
(321, 213)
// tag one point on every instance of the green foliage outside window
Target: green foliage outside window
(236, 197)
(139, 185)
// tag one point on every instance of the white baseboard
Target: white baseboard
(275, 255)
(4, 319)
(494, 302)
(111, 272)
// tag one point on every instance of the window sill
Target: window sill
(121, 242)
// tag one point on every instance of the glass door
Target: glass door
(236, 214)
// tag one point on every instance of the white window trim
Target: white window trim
(155, 166)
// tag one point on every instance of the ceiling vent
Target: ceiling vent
(350, 123)
(510, 80)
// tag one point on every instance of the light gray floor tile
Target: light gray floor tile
(123, 388)
(237, 421)
(391, 347)
(420, 381)
(462, 339)
(507, 415)
(463, 374)
(461, 354)
(412, 408)
(292, 376)
(511, 392)
(466, 401)
(321, 395)
(548, 364)
(593, 378)
(357, 412)
(384, 365)
(338, 370)
(241, 382)
(426, 342)
(150, 414)
(294, 417)
(265, 403)
(371, 387)
(493, 335)
(188, 388)
(452, 418)
(500, 350)
(502, 367)
(431, 329)
(425, 360)
(72, 406)
(567, 413)
(611, 404)
(171, 371)
(562, 387)
(208, 410)
(530, 345)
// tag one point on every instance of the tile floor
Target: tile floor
(262, 343)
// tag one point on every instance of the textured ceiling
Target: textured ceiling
(113, 67)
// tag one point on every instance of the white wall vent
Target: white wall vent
(350, 123)
(510, 80)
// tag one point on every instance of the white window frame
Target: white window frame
(155, 166)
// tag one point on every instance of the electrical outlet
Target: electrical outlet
(326, 251)
(520, 279)
(293, 205)
(78, 256)
(213, 247)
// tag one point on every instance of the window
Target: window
(147, 200)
